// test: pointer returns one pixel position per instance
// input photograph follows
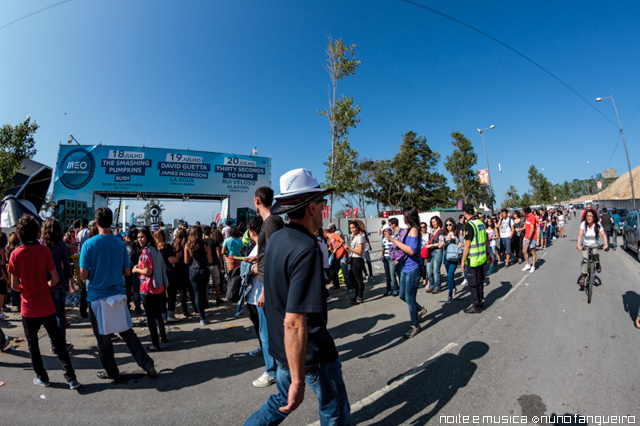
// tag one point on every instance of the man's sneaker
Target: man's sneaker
(264, 381)
(422, 313)
(533, 268)
(526, 267)
(412, 332)
(3, 316)
(173, 319)
(6, 309)
(473, 310)
(74, 384)
(39, 382)
(349, 291)
(203, 322)
(465, 282)
(449, 300)
(256, 352)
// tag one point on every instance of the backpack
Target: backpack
(453, 252)
(234, 285)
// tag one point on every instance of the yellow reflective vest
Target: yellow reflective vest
(478, 251)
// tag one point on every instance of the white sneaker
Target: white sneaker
(533, 268)
(264, 381)
(465, 282)
(526, 267)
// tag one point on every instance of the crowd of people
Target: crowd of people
(278, 273)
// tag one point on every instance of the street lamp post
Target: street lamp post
(501, 183)
(633, 192)
(488, 170)
(72, 139)
(595, 177)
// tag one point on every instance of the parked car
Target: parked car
(623, 217)
(631, 233)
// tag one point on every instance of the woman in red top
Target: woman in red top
(151, 296)
(28, 266)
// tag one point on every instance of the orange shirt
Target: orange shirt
(335, 241)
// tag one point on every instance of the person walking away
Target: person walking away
(506, 234)
(357, 260)
(388, 264)
(170, 259)
(104, 263)
(434, 259)
(590, 235)
(492, 236)
(453, 245)
(408, 242)
(29, 265)
(529, 239)
(616, 227)
(367, 256)
(132, 281)
(518, 233)
(52, 238)
(213, 239)
(297, 309)
(607, 224)
(182, 273)
(262, 201)
(255, 225)
(475, 254)
(150, 290)
(198, 255)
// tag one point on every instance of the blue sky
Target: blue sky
(230, 75)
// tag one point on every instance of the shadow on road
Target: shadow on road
(631, 304)
(437, 382)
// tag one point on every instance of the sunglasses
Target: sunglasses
(323, 202)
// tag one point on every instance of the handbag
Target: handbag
(425, 250)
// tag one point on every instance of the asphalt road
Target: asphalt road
(538, 349)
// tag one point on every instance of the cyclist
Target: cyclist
(591, 233)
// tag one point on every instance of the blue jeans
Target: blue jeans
(433, 268)
(392, 273)
(59, 296)
(408, 292)
(269, 362)
(345, 272)
(326, 382)
(451, 269)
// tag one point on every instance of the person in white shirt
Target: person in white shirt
(591, 234)
(226, 230)
(506, 227)
(83, 234)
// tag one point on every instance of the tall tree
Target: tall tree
(418, 183)
(540, 186)
(345, 170)
(46, 211)
(512, 199)
(16, 145)
(461, 164)
(342, 115)
(526, 199)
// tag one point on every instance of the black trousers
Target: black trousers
(31, 327)
(255, 319)
(153, 309)
(475, 277)
(83, 300)
(355, 275)
(184, 285)
(105, 349)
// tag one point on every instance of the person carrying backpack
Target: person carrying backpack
(453, 243)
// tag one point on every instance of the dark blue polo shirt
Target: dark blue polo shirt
(293, 282)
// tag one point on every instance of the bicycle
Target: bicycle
(591, 271)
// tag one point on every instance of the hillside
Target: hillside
(618, 190)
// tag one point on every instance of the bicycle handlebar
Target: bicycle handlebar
(599, 247)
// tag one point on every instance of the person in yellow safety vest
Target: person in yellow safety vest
(474, 256)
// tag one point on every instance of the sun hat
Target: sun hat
(298, 188)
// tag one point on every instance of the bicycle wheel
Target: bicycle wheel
(592, 276)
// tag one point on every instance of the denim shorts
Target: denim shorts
(529, 243)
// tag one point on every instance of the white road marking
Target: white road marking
(514, 288)
(406, 377)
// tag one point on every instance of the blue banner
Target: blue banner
(83, 170)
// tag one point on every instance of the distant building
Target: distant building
(610, 174)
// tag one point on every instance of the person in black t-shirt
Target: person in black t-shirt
(297, 308)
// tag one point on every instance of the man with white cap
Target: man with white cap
(297, 309)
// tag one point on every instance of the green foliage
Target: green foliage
(343, 176)
(339, 214)
(342, 114)
(512, 199)
(526, 199)
(540, 187)
(46, 211)
(461, 164)
(16, 145)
